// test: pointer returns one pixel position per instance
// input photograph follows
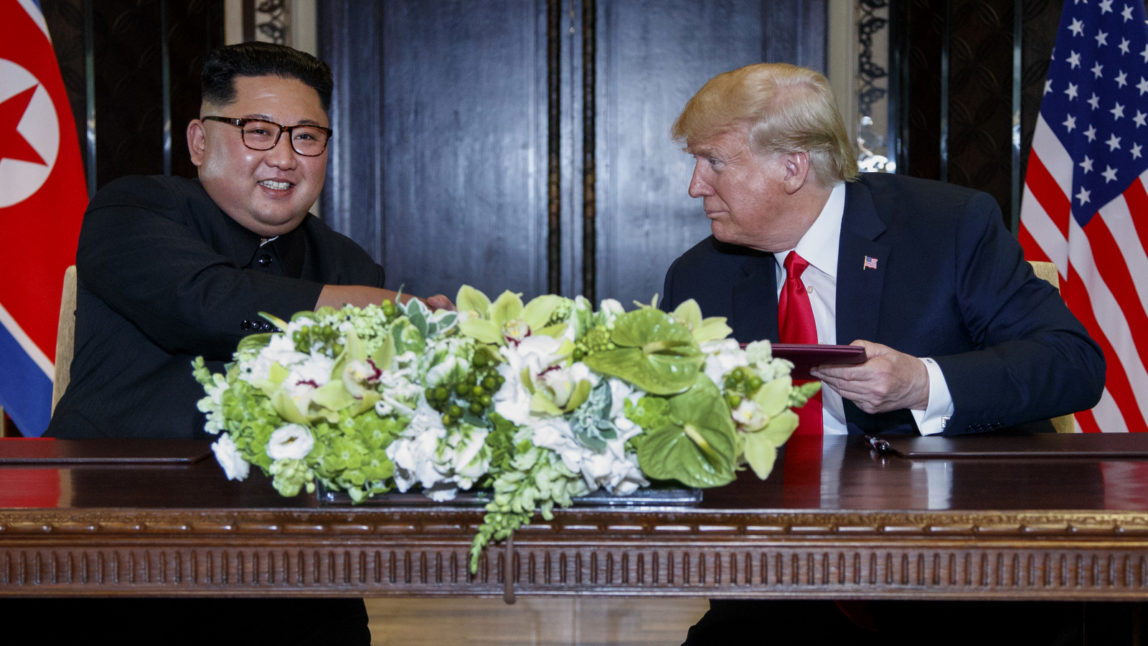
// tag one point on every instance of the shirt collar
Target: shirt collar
(819, 245)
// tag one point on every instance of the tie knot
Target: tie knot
(795, 265)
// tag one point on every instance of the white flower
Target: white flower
(290, 442)
(749, 415)
(554, 433)
(471, 456)
(721, 357)
(562, 381)
(534, 354)
(228, 456)
(611, 309)
(620, 393)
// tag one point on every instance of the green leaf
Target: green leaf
(654, 353)
(698, 446)
(254, 342)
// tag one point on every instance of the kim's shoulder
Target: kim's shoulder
(155, 191)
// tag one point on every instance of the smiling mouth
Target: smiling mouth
(275, 185)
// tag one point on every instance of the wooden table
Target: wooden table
(875, 526)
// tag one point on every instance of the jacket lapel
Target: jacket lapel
(862, 263)
(754, 306)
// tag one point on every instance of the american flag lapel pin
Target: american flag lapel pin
(870, 263)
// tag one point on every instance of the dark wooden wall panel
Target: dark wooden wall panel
(980, 98)
(141, 99)
(446, 177)
(458, 158)
(653, 56)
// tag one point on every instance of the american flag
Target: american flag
(1085, 206)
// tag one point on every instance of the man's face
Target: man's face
(742, 192)
(268, 192)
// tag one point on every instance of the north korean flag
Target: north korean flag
(42, 200)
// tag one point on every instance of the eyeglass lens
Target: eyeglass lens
(263, 135)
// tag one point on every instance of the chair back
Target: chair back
(65, 337)
(1048, 272)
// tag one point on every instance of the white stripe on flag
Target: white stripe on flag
(26, 344)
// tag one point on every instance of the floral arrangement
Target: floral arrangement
(537, 402)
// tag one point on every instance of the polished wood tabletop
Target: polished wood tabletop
(1046, 518)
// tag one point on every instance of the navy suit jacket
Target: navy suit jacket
(950, 283)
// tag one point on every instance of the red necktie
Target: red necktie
(803, 451)
(795, 325)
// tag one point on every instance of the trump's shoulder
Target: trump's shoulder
(712, 254)
(898, 195)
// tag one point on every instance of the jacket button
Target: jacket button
(264, 260)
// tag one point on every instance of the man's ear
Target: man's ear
(196, 141)
(796, 170)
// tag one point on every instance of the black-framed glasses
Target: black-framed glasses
(258, 134)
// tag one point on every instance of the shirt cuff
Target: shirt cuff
(935, 417)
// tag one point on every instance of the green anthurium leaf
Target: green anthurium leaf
(698, 446)
(481, 330)
(539, 310)
(654, 353)
(254, 342)
(506, 308)
(760, 453)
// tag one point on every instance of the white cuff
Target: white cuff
(933, 419)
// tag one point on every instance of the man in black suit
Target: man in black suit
(960, 336)
(171, 268)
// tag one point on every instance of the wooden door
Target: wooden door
(524, 144)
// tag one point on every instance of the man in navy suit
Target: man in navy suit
(960, 336)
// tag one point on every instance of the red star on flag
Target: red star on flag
(13, 145)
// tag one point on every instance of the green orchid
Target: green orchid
(713, 328)
(766, 421)
(507, 317)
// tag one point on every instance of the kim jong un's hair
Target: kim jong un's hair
(786, 108)
(262, 59)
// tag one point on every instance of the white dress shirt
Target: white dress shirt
(819, 247)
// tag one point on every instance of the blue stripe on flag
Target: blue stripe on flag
(25, 391)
